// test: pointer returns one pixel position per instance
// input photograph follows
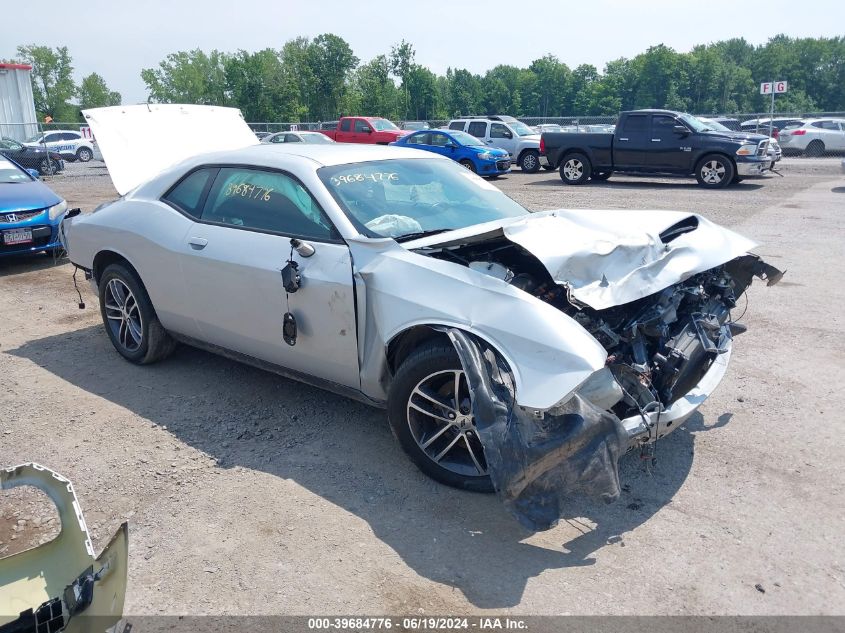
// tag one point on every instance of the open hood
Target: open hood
(138, 142)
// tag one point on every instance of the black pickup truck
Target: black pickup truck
(657, 142)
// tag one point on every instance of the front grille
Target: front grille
(763, 148)
(503, 165)
(18, 216)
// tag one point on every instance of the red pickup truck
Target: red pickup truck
(365, 129)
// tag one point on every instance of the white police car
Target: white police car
(70, 144)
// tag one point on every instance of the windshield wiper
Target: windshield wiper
(412, 236)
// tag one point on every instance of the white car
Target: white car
(774, 150)
(505, 132)
(814, 137)
(69, 143)
(390, 259)
(298, 137)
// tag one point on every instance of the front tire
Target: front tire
(47, 167)
(468, 164)
(714, 171)
(434, 427)
(129, 317)
(529, 161)
(575, 169)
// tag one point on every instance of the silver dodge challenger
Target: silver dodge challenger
(354, 268)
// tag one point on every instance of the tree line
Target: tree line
(320, 79)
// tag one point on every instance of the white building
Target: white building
(17, 107)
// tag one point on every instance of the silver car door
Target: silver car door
(232, 261)
(503, 137)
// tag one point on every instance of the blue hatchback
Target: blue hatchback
(462, 147)
(30, 212)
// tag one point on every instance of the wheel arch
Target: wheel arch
(105, 258)
(564, 154)
(401, 345)
(524, 150)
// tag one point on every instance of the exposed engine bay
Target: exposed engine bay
(659, 346)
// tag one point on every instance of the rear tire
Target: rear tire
(468, 164)
(84, 154)
(815, 149)
(129, 318)
(431, 369)
(714, 171)
(529, 161)
(575, 169)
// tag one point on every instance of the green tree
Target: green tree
(401, 63)
(260, 85)
(52, 81)
(331, 63)
(94, 93)
(188, 77)
(378, 95)
(423, 95)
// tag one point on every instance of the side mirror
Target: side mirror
(508, 135)
(367, 130)
(680, 130)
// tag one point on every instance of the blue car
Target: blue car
(469, 151)
(30, 212)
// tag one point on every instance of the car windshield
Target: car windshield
(7, 143)
(11, 173)
(383, 124)
(714, 125)
(466, 139)
(695, 124)
(415, 125)
(33, 139)
(315, 137)
(406, 197)
(521, 129)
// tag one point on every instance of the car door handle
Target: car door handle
(197, 243)
(623, 139)
(656, 140)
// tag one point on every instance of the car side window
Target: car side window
(419, 139)
(439, 140)
(826, 125)
(52, 138)
(187, 194)
(635, 124)
(292, 138)
(477, 129)
(277, 138)
(266, 201)
(346, 125)
(456, 125)
(662, 124)
(498, 130)
(361, 126)
(70, 136)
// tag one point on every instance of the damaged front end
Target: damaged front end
(60, 585)
(667, 352)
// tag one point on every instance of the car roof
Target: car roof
(324, 155)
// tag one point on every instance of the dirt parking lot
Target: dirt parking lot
(249, 493)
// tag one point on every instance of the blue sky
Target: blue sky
(116, 38)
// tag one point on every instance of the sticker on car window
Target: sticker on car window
(376, 176)
(248, 190)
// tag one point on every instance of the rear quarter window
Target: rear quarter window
(187, 195)
(635, 124)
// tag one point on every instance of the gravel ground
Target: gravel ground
(248, 493)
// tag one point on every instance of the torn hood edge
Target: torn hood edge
(139, 142)
(610, 257)
(58, 572)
